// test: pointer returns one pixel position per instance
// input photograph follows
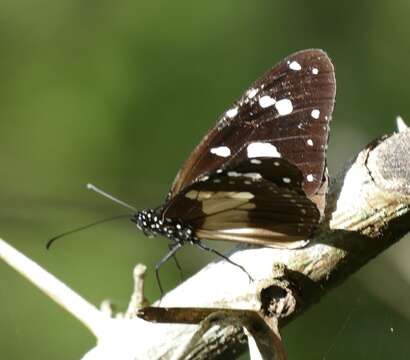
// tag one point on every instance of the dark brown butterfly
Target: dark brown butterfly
(259, 175)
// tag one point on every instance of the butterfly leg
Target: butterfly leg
(173, 249)
(181, 273)
(206, 248)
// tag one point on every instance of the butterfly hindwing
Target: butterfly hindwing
(258, 201)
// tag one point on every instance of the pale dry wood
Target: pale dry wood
(368, 211)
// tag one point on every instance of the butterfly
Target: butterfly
(259, 175)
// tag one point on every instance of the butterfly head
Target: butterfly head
(152, 223)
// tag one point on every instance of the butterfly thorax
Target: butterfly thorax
(152, 223)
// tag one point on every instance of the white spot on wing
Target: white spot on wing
(252, 92)
(315, 71)
(284, 107)
(286, 180)
(294, 65)
(253, 176)
(266, 101)
(222, 151)
(204, 195)
(315, 113)
(258, 149)
(309, 178)
(192, 194)
(309, 142)
(243, 195)
(231, 113)
(256, 161)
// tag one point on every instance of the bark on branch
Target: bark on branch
(368, 211)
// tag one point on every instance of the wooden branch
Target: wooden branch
(264, 339)
(368, 210)
(85, 312)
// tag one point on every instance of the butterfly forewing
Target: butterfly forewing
(285, 114)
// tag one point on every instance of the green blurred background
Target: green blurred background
(118, 93)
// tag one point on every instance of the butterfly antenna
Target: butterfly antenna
(52, 240)
(108, 196)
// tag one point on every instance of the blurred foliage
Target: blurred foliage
(119, 92)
